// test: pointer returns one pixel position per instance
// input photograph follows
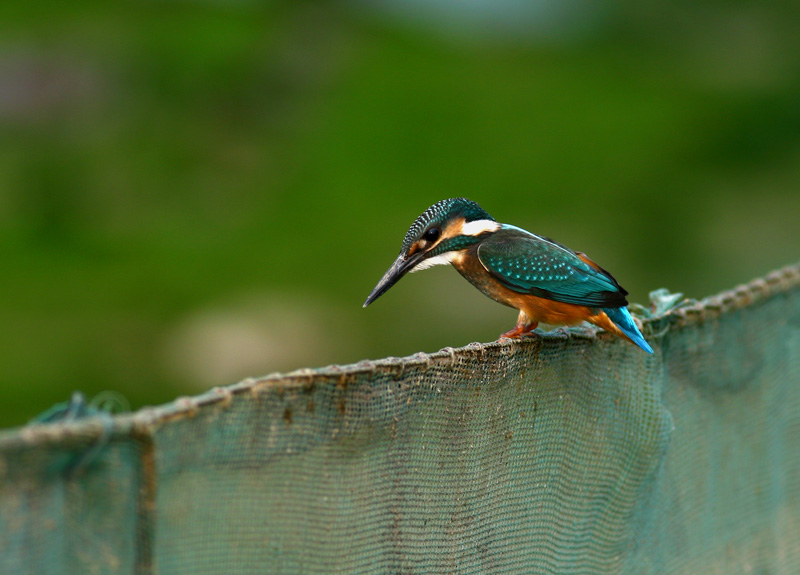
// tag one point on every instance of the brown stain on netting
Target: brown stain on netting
(287, 415)
(522, 377)
(146, 502)
(341, 384)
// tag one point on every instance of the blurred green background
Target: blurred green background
(195, 192)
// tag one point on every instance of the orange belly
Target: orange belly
(540, 310)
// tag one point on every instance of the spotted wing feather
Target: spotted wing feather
(527, 263)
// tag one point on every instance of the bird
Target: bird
(544, 280)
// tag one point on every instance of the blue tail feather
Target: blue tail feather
(622, 317)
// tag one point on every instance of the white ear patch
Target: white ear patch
(440, 260)
(478, 227)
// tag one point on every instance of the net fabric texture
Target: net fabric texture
(571, 453)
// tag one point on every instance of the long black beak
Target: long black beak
(398, 269)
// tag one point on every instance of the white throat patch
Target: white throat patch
(440, 260)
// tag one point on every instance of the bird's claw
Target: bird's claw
(519, 332)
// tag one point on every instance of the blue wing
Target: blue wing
(527, 263)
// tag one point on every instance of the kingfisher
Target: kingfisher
(543, 279)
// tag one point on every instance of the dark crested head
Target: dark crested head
(434, 238)
(438, 216)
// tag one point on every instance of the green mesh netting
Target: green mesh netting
(572, 453)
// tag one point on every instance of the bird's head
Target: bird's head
(440, 233)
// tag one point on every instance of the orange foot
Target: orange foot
(519, 331)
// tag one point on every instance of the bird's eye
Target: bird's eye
(432, 235)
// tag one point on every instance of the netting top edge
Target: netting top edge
(743, 296)
(760, 289)
(145, 420)
(774, 283)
